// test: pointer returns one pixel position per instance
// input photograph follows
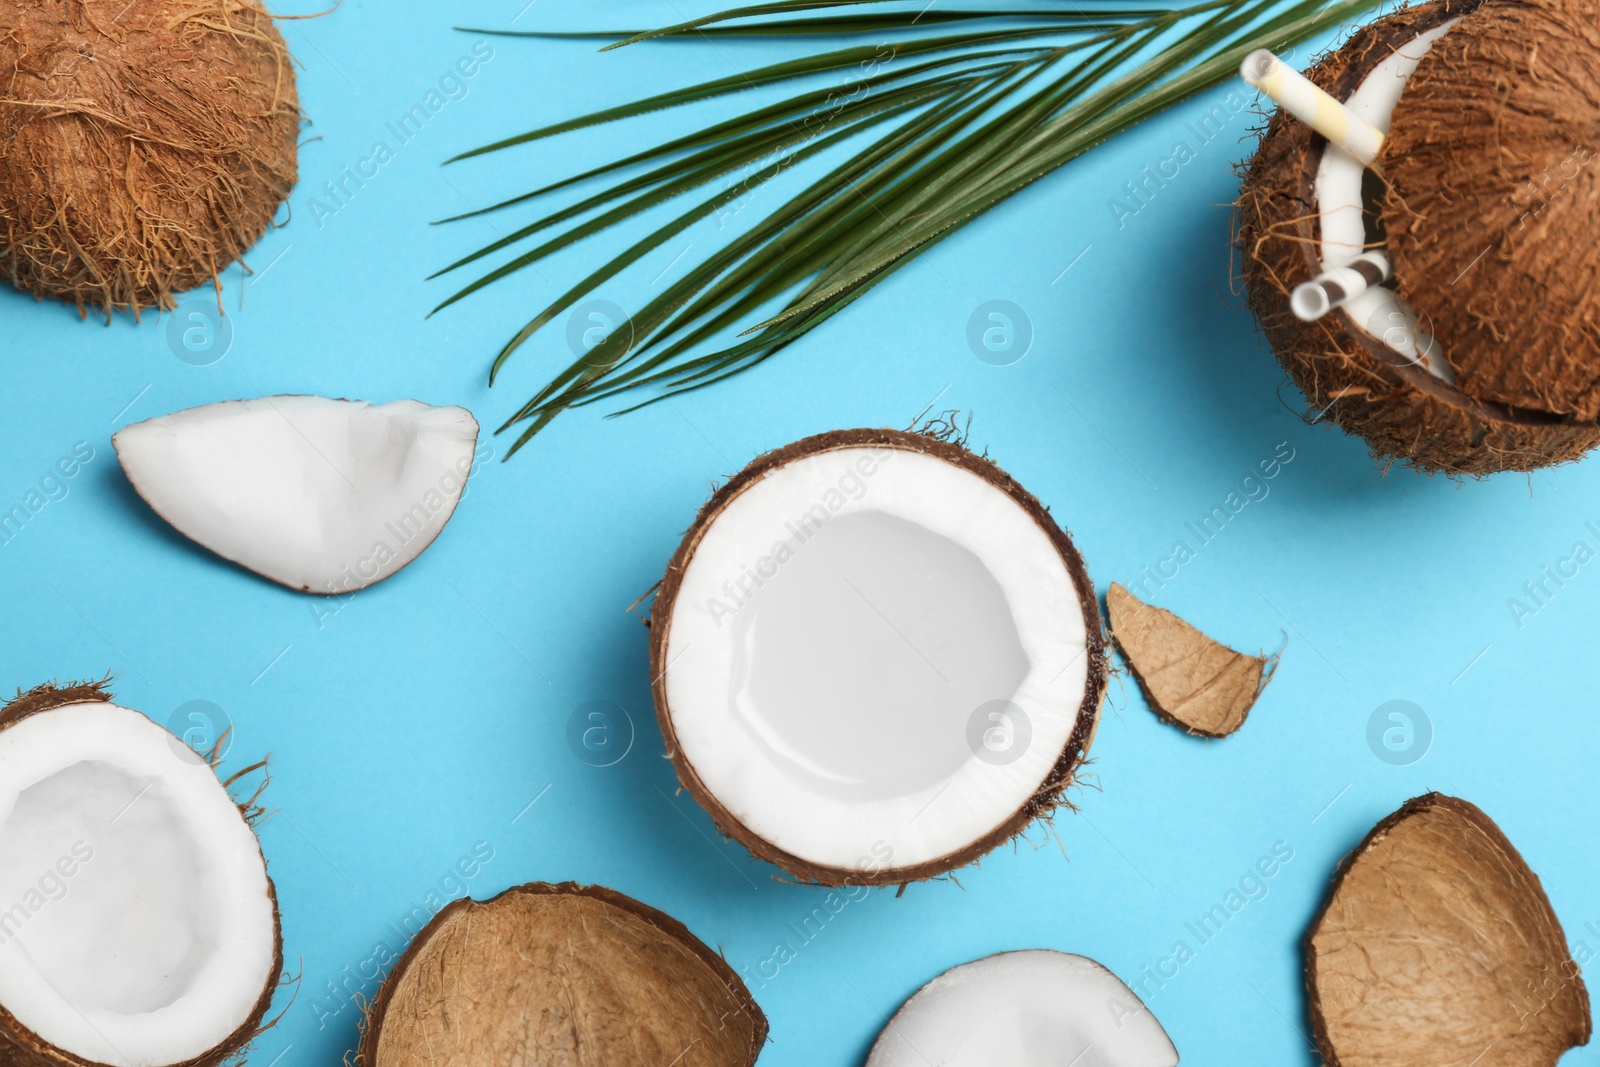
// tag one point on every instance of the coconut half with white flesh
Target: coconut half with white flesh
(138, 927)
(1480, 356)
(321, 495)
(876, 657)
(1033, 1008)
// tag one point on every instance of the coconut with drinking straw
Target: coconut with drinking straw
(1473, 345)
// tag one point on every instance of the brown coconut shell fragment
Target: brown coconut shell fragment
(1494, 193)
(1437, 945)
(1403, 412)
(1190, 680)
(144, 145)
(561, 976)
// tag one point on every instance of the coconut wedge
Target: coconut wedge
(1485, 203)
(323, 496)
(876, 657)
(1035, 1008)
(579, 976)
(138, 927)
(1190, 680)
(1437, 946)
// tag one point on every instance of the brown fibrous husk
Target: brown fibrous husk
(144, 145)
(940, 444)
(1437, 945)
(1493, 197)
(21, 1047)
(1404, 413)
(568, 975)
(1189, 680)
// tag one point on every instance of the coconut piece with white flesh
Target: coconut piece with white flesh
(321, 495)
(580, 976)
(138, 927)
(1438, 945)
(1032, 1008)
(876, 658)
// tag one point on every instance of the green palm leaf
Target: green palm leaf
(940, 127)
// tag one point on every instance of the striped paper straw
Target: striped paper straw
(1314, 299)
(1300, 98)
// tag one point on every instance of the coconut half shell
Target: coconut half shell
(1190, 680)
(1437, 945)
(753, 779)
(153, 938)
(1403, 411)
(144, 145)
(561, 976)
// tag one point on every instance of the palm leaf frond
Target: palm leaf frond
(939, 127)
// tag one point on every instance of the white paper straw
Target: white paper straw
(1300, 98)
(1314, 299)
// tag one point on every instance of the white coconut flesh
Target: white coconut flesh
(321, 495)
(136, 921)
(839, 628)
(1380, 312)
(1034, 1008)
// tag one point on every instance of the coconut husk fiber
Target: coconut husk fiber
(1493, 201)
(1438, 948)
(560, 976)
(1190, 680)
(1404, 413)
(144, 145)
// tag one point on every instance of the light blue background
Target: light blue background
(425, 714)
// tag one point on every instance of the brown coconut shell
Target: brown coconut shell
(1494, 190)
(1189, 680)
(560, 976)
(1404, 413)
(144, 145)
(1045, 799)
(20, 1046)
(1437, 945)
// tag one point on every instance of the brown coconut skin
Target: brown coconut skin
(1493, 155)
(1402, 411)
(144, 145)
(21, 1047)
(1049, 794)
(1437, 945)
(556, 1001)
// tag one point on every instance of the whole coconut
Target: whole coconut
(144, 144)
(1486, 201)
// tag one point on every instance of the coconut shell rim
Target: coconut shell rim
(372, 1026)
(1418, 805)
(1062, 773)
(34, 1051)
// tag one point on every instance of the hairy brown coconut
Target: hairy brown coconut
(1437, 945)
(561, 976)
(144, 145)
(1486, 204)
(876, 658)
